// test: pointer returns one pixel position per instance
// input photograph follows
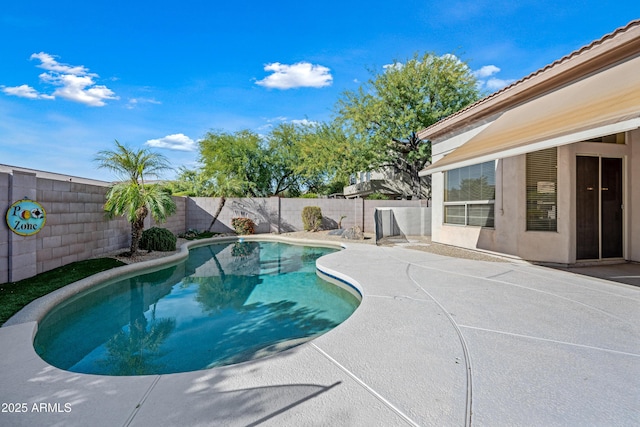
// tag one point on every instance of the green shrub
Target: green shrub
(193, 234)
(243, 225)
(243, 249)
(377, 196)
(311, 218)
(309, 196)
(158, 239)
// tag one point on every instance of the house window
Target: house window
(542, 190)
(469, 195)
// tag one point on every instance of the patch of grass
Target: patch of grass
(14, 296)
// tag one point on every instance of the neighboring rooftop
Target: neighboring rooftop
(52, 175)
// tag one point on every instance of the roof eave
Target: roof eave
(621, 44)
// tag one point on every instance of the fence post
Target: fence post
(279, 214)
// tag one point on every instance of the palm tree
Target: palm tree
(131, 197)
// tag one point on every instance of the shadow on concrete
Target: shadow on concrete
(627, 273)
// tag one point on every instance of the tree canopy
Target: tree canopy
(384, 115)
(375, 127)
(244, 163)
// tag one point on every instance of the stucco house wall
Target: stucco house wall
(613, 55)
(632, 219)
(509, 236)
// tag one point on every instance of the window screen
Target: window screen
(470, 194)
(542, 190)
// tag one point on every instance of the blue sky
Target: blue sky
(77, 76)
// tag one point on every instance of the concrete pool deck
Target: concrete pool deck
(436, 341)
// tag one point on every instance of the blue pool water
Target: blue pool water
(227, 303)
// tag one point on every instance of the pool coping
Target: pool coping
(435, 341)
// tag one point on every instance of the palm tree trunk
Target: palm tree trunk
(223, 200)
(136, 229)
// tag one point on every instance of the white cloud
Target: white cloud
(496, 84)
(133, 102)
(74, 83)
(49, 63)
(304, 122)
(486, 71)
(277, 119)
(178, 142)
(78, 88)
(487, 82)
(395, 66)
(301, 74)
(25, 91)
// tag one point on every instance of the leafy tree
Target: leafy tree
(261, 166)
(232, 166)
(281, 157)
(326, 157)
(191, 182)
(385, 114)
(131, 197)
(235, 156)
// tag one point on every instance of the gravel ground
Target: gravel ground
(419, 243)
(142, 255)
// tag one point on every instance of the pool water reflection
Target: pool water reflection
(227, 303)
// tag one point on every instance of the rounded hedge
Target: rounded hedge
(158, 239)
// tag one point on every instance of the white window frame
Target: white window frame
(468, 203)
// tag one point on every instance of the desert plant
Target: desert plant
(158, 239)
(243, 225)
(311, 218)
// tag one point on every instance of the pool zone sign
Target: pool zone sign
(26, 217)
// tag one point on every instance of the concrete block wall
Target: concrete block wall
(263, 211)
(276, 215)
(4, 229)
(176, 223)
(76, 227)
(21, 250)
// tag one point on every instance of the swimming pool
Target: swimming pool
(227, 303)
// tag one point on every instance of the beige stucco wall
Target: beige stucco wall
(632, 201)
(510, 236)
